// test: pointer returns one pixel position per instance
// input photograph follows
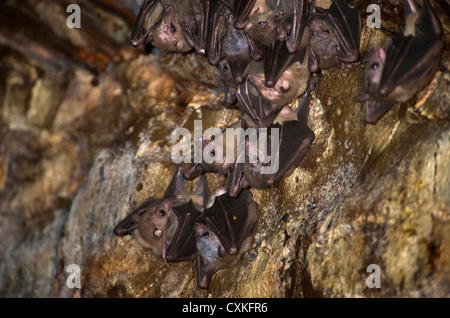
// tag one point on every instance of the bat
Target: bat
(295, 139)
(168, 34)
(292, 83)
(181, 26)
(236, 50)
(183, 245)
(224, 234)
(157, 222)
(219, 166)
(254, 105)
(407, 64)
(277, 58)
(215, 36)
(230, 86)
(335, 35)
(279, 20)
(152, 223)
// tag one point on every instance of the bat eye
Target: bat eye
(205, 235)
(162, 213)
(374, 66)
(173, 28)
(213, 153)
(262, 23)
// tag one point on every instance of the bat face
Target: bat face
(324, 45)
(375, 65)
(263, 28)
(151, 232)
(210, 149)
(168, 35)
(406, 66)
(209, 254)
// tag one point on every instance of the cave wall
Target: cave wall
(85, 120)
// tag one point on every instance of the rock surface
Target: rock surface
(85, 123)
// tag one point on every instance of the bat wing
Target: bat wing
(182, 246)
(300, 16)
(277, 59)
(346, 23)
(241, 11)
(426, 23)
(131, 222)
(176, 186)
(408, 59)
(214, 37)
(139, 33)
(201, 41)
(413, 58)
(232, 219)
(254, 105)
(295, 139)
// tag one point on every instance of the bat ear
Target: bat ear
(237, 180)
(127, 225)
(202, 189)
(203, 272)
(131, 222)
(176, 185)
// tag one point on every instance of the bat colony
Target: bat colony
(266, 51)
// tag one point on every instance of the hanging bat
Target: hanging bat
(285, 77)
(153, 225)
(292, 83)
(295, 139)
(216, 33)
(230, 86)
(182, 244)
(168, 34)
(236, 50)
(214, 149)
(335, 35)
(254, 105)
(406, 66)
(279, 20)
(156, 222)
(277, 58)
(224, 234)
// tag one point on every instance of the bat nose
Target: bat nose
(135, 43)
